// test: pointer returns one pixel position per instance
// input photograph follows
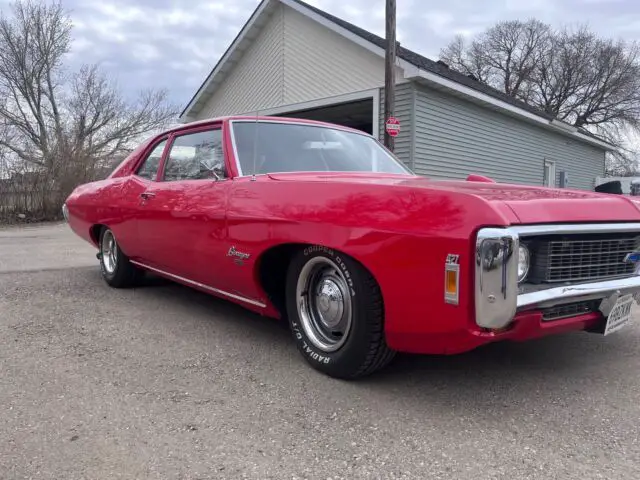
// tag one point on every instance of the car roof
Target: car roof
(262, 118)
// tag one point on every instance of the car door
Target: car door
(132, 199)
(183, 214)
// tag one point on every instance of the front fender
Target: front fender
(403, 236)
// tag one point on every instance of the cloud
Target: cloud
(174, 44)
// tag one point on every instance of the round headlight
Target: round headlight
(523, 263)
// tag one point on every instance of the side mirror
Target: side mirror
(218, 173)
(217, 170)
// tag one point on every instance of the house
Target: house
(292, 59)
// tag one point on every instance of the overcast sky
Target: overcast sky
(174, 44)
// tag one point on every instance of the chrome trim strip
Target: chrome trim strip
(573, 292)
(559, 229)
(201, 285)
(235, 149)
(332, 126)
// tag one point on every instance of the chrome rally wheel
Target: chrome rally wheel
(115, 266)
(109, 251)
(336, 314)
(324, 304)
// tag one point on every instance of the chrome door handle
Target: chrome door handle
(147, 195)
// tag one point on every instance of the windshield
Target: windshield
(289, 147)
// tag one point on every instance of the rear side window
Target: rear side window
(149, 167)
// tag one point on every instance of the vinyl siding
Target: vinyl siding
(256, 81)
(293, 60)
(320, 63)
(404, 110)
(454, 137)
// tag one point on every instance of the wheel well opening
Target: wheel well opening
(272, 273)
(95, 231)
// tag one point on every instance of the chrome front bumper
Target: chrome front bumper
(497, 295)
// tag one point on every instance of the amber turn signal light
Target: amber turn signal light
(451, 283)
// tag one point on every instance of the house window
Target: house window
(549, 173)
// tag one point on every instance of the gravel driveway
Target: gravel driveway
(164, 382)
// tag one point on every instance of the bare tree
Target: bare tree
(504, 56)
(62, 127)
(586, 81)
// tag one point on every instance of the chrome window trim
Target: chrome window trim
(201, 285)
(408, 172)
(236, 159)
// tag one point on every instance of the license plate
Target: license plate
(620, 315)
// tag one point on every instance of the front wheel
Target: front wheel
(117, 270)
(336, 314)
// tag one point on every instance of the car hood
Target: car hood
(527, 203)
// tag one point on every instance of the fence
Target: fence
(30, 196)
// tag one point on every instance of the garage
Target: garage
(356, 114)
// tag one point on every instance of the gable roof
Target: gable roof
(422, 66)
(427, 64)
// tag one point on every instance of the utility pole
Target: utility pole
(390, 72)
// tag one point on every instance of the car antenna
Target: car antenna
(255, 147)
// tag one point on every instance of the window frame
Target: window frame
(550, 181)
(145, 156)
(236, 160)
(191, 131)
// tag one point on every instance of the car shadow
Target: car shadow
(211, 306)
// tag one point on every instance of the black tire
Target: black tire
(363, 349)
(117, 271)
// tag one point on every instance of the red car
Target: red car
(320, 225)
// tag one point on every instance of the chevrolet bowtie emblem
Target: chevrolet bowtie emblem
(633, 257)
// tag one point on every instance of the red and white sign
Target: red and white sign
(392, 126)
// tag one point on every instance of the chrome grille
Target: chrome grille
(568, 310)
(584, 258)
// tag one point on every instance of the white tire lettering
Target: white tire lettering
(316, 248)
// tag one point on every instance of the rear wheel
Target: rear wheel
(336, 314)
(117, 270)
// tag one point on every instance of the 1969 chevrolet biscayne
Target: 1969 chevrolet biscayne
(321, 226)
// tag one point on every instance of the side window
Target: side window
(149, 167)
(196, 156)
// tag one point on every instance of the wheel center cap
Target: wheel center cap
(330, 304)
(325, 302)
